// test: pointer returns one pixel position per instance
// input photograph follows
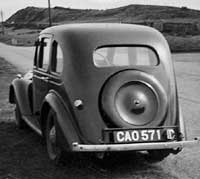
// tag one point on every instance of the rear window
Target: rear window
(124, 56)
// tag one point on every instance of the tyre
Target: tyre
(18, 117)
(54, 151)
(154, 156)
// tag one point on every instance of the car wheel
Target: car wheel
(53, 149)
(157, 155)
(18, 117)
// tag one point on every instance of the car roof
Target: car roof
(100, 28)
(119, 27)
(100, 34)
(80, 40)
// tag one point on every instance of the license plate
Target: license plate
(144, 135)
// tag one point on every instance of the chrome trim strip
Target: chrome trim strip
(136, 147)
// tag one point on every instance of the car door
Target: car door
(41, 72)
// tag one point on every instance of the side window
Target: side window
(57, 64)
(46, 44)
(36, 57)
(59, 58)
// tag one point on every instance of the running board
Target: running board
(33, 123)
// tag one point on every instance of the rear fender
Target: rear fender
(19, 90)
(67, 131)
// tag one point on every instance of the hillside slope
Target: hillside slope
(131, 13)
(180, 26)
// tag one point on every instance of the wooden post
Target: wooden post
(49, 10)
(2, 23)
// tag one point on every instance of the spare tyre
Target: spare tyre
(133, 98)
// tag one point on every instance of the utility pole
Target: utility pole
(49, 10)
(2, 24)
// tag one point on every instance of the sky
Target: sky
(9, 7)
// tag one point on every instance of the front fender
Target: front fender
(66, 127)
(19, 90)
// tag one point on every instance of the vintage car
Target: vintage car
(101, 88)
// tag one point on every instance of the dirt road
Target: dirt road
(27, 157)
(21, 57)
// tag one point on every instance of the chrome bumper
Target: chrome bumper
(133, 147)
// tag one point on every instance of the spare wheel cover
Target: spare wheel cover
(134, 98)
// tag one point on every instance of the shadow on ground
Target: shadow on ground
(23, 155)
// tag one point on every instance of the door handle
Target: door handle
(45, 78)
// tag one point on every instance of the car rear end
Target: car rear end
(139, 103)
(124, 79)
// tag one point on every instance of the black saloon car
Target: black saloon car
(101, 88)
